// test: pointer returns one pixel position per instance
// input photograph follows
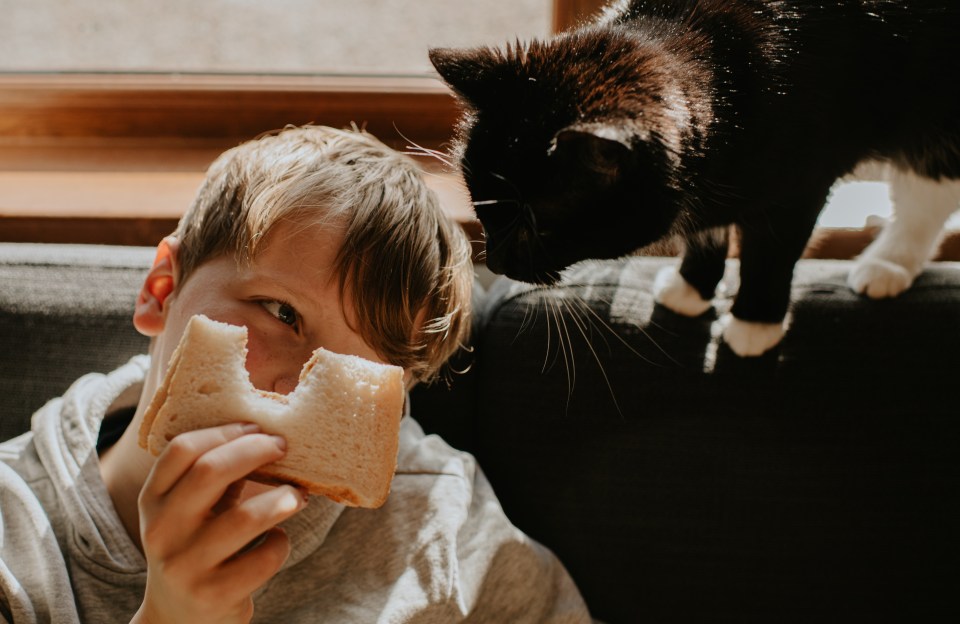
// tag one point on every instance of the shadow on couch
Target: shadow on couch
(677, 482)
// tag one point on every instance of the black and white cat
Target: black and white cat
(665, 118)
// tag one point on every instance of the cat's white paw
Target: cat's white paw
(878, 278)
(675, 293)
(749, 338)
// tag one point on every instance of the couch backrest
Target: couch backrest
(65, 310)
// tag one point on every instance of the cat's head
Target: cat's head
(568, 148)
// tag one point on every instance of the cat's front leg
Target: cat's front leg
(920, 208)
(768, 253)
(752, 338)
(689, 290)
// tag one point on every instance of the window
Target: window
(360, 37)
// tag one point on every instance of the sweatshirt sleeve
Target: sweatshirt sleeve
(34, 585)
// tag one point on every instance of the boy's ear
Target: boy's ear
(149, 314)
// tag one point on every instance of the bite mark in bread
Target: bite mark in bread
(341, 422)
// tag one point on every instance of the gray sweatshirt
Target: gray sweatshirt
(439, 550)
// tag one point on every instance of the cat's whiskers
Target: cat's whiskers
(591, 313)
(546, 356)
(565, 346)
(501, 233)
(583, 324)
(508, 183)
(494, 202)
(557, 310)
(415, 149)
(525, 217)
(586, 319)
(443, 158)
(529, 320)
(524, 214)
(579, 323)
(567, 315)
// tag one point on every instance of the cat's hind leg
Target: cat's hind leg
(920, 208)
(689, 290)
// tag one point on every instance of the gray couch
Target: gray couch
(677, 482)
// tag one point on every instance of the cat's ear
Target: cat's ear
(469, 72)
(604, 149)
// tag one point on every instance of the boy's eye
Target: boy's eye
(284, 312)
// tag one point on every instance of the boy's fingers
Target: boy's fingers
(251, 569)
(230, 497)
(207, 480)
(228, 534)
(185, 449)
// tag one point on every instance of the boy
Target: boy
(312, 237)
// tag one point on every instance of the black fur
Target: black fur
(664, 118)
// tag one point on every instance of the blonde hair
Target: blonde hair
(405, 264)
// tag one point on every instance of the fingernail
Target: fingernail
(250, 428)
(281, 442)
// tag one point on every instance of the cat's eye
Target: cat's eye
(284, 312)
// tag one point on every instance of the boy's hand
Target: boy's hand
(195, 529)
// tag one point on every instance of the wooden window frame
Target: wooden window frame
(151, 129)
(210, 109)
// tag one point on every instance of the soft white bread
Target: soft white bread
(341, 423)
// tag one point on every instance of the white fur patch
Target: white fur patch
(878, 278)
(673, 292)
(750, 339)
(921, 206)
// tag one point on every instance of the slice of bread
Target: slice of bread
(341, 423)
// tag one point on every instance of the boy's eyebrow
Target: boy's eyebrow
(275, 282)
(280, 281)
